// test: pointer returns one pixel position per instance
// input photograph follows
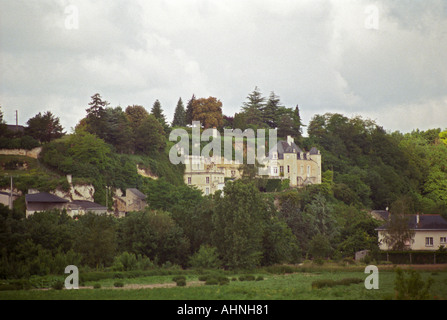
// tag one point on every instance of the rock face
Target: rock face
(146, 173)
(77, 192)
(34, 153)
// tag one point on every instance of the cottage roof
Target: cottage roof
(44, 197)
(137, 192)
(426, 222)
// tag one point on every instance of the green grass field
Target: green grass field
(294, 286)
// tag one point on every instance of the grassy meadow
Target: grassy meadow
(270, 285)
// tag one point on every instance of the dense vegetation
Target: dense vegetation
(364, 168)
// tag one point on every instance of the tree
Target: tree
(270, 112)
(253, 108)
(136, 114)
(157, 112)
(189, 107)
(443, 136)
(149, 136)
(398, 234)
(95, 115)
(44, 127)
(96, 239)
(208, 112)
(118, 130)
(179, 115)
(239, 219)
(153, 234)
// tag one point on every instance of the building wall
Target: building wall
(418, 242)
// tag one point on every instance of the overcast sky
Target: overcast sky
(383, 60)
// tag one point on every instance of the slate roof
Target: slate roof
(426, 222)
(137, 192)
(44, 197)
(283, 147)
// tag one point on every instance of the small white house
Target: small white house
(430, 232)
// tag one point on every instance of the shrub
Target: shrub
(178, 278)
(203, 277)
(247, 277)
(58, 285)
(259, 278)
(97, 286)
(211, 281)
(318, 284)
(411, 287)
(205, 258)
(181, 282)
(118, 284)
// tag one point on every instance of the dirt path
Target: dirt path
(150, 286)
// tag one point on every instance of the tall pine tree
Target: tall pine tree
(270, 113)
(157, 112)
(253, 108)
(189, 110)
(179, 115)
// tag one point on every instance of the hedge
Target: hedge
(414, 257)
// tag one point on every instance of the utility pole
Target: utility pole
(10, 196)
(17, 121)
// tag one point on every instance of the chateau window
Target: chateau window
(207, 191)
(429, 241)
(308, 170)
(288, 169)
(281, 169)
(275, 170)
(443, 240)
(207, 180)
(189, 180)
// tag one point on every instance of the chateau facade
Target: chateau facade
(286, 161)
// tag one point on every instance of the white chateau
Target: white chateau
(286, 161)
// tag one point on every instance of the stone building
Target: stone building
(286, 161)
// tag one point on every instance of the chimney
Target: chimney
(290, 140)
(417, 218)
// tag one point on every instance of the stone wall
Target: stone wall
(33, 153)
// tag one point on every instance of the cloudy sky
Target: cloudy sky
(383, 60)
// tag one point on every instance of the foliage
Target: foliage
(238, 221)
(205, 258)
(155, 235)
(208, 111)
(44, 128)
(157, 112)
(179, 115)
(410, 286)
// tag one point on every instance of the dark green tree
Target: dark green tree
(253, 108)
(239, 220)
(271, 110)
(96, 115)
(189, 110)
(149, 136)
(96, 239)
(44, 127)
(157, 112)
(179, 115)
